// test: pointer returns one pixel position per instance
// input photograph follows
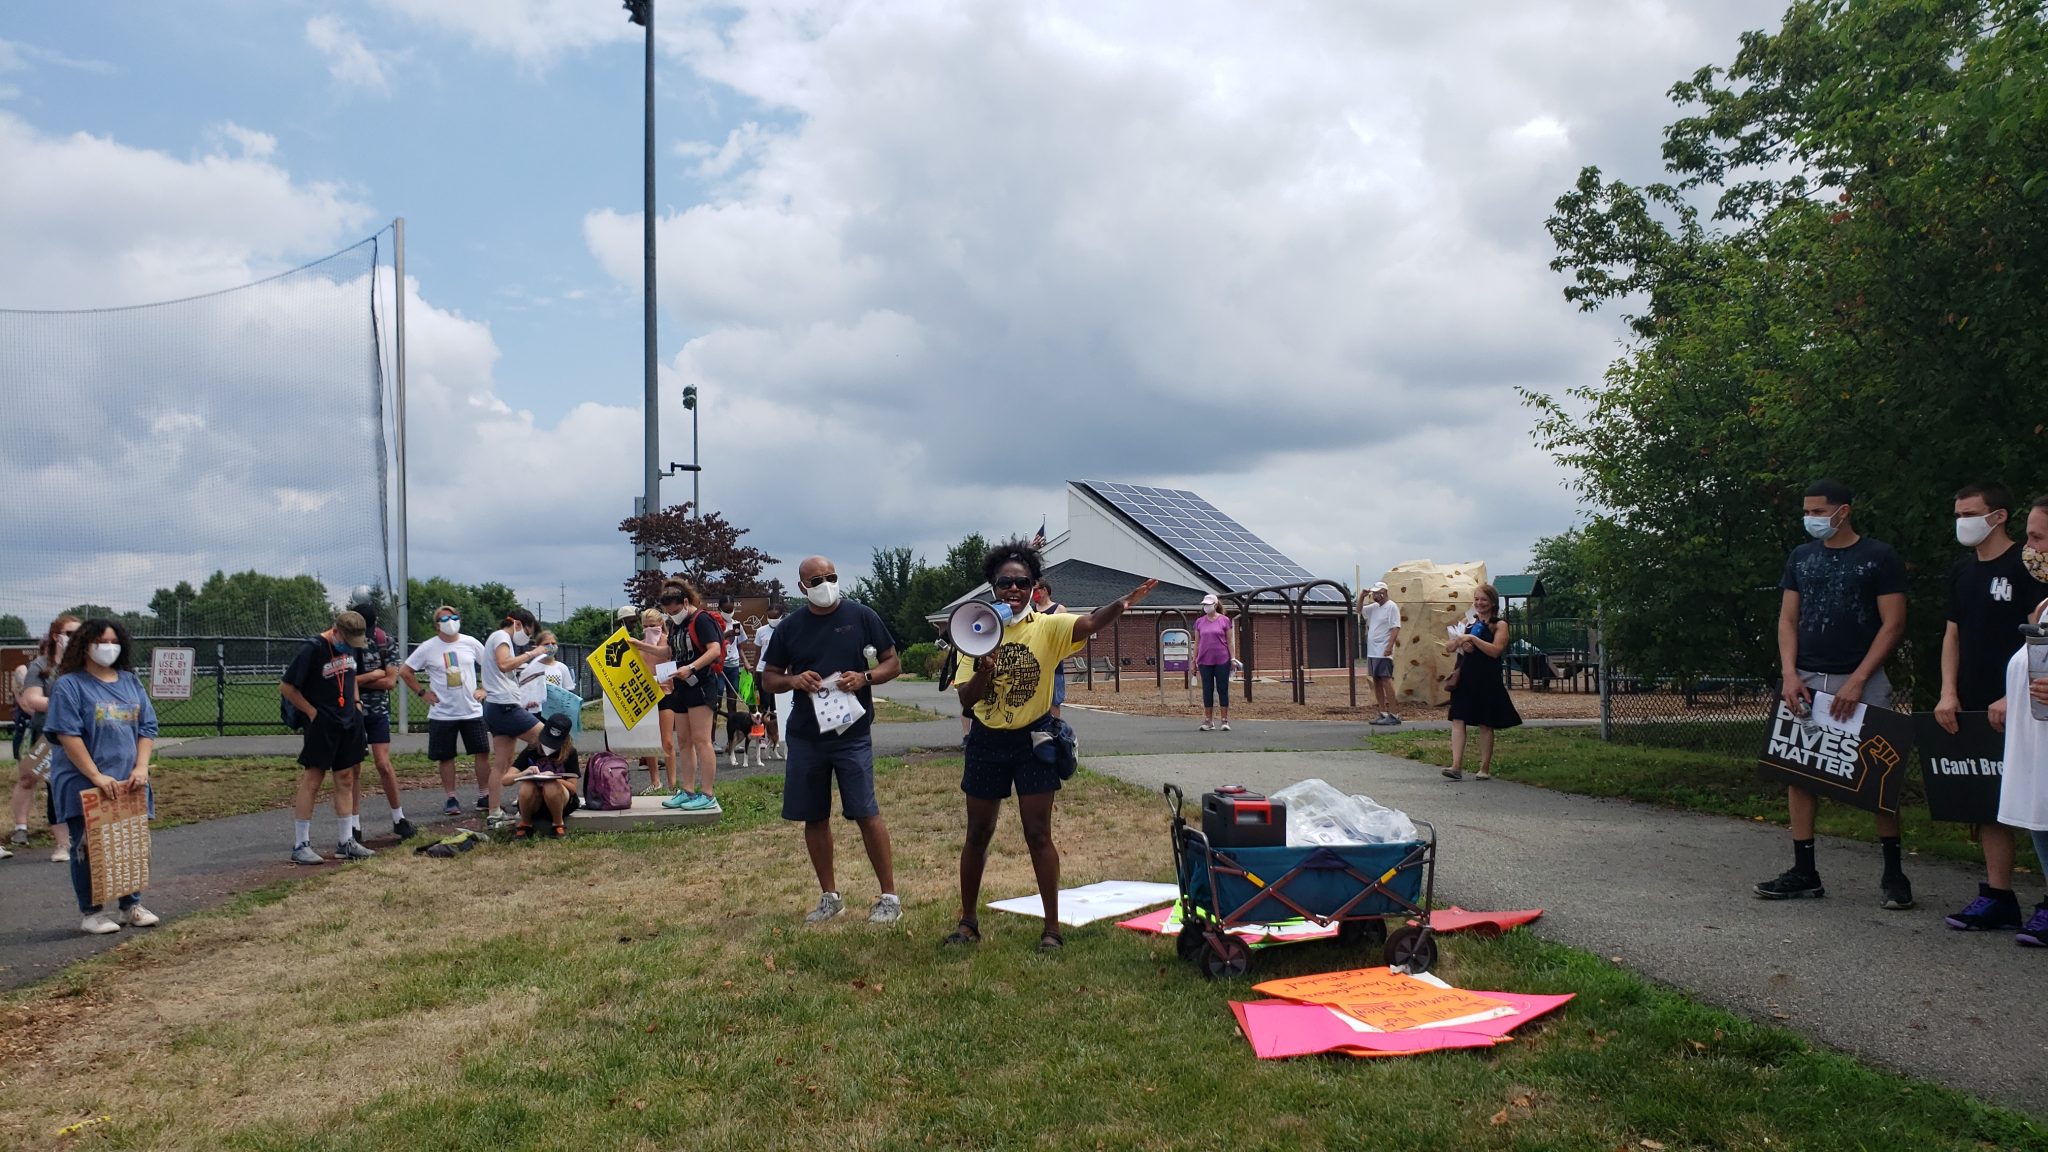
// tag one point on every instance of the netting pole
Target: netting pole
(651, 414)
(404, 573)
(1602, 670)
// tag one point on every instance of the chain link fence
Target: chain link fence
(1727, 714)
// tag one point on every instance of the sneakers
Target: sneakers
(1897, 892)
(1386, 720)
(99, 924)
(497, 820)
(888, 909)
(452, 808)
(61, 855)
(142, 917)
(682, 799)
(5, 854)
(2035, 933)
(829, 905)
(483, 803)
(303, 853)
(1792, 884)
(352, 850)
(1987, 913)
(699, 802)
(1225, 726)
(404, 830)
(20, 837)
(1206, 727)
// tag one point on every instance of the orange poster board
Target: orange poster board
(1383, 999)
(117, 843)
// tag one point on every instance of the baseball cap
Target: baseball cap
(1378, 586)
(1210, 599)
(353, 631)
(626, 612)
(553, 734)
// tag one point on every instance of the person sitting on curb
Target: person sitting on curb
(552, 799)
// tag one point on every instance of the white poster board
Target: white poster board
(170, 673)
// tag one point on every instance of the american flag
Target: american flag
(1038, 541)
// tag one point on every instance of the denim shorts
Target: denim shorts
(509, 719)
(814, 764)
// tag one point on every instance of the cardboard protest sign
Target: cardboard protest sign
(1385, 1000)
(1962, 773)
(117, 843)
(627, 683)
(1860, 761)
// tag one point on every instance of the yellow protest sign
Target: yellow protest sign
(625, 679)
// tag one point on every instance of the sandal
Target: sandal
(560, 831)
(967, 932)
(1482, 774)
(523, 832)
(1453, 774)
(1051, 942)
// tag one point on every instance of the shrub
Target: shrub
(923, 660)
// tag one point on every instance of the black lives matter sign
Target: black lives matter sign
(1961, 771)
(1862, 763)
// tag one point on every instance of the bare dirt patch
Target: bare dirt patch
(1328, 699)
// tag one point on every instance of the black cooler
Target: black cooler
(1233, 817)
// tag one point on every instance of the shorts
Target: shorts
(1877, 692)
(813, 764)
(441, 736)
(508, 719)
(1379, 667)
(687, 696)
(333, 745)
(378, 726)
(572, 805)
(1059, 684)
(1001, 759)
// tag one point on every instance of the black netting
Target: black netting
(153, 446)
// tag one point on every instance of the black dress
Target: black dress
(1481, 695)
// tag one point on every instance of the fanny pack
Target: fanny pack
(1053, 742)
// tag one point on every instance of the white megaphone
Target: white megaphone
(974, 629)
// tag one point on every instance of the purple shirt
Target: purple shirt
(1212, 639)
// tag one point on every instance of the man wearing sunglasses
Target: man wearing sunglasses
(453, 663)
(825, 645)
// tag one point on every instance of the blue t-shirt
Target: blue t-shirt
(109, 718)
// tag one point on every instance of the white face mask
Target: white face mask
(450, 627)
(824, 593)
(1819, 527)
(675, 617)
(104, 655)
(1972, 530)
(63, 642)
(1208, 609)
(518, 637)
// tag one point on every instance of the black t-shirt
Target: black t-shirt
(828, 645)
(325, 674)
(1988, 600)
(1838, 590)
(691, 638)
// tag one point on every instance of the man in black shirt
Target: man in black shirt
(1989, 596)
(1842, 615)
(321, 684)
(820, 646)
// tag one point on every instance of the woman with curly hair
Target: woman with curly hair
(1009, 702)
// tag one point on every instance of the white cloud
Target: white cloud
(1292, 257)
(532, 31)
(349, 60)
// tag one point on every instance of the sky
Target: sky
(924, 262)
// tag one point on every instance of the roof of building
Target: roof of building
(1202, 537)
(1084, 587)
(1518, 587)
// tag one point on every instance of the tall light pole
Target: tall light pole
(641, 12)
(696, 470)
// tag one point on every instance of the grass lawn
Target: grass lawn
(1576, 760)
(659, 990)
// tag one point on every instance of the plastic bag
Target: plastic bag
(1317, 813)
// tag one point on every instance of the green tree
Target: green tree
(903, 589)
(480, 605)
(1563, 562)
(13, 626)
(588, 625)
(1844, 277)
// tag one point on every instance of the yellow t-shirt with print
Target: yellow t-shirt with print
(1020, 688)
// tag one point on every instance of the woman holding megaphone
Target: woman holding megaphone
(1009, 703)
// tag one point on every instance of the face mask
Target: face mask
(675, 617)
(775, 618)
(2036, 562)
(518, 637)
(1208, 609)
(1819, 527)
(824, 594)
(1007, 614)
(1972, 530)
(63, 642)
(450, 627)
(104, 655)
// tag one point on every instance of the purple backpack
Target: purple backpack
(607, 782)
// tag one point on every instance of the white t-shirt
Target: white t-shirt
(500, 687)
(560, 675)
(451, 668)
(1380, 622)
(762, 635)
(2023, 794)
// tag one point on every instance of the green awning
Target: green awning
(1519, 587)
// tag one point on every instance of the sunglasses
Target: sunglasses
(447, 619)
(1015, 582)
(826, 578)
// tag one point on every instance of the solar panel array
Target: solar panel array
(1205, 537)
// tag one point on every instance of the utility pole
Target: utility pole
(641, 12)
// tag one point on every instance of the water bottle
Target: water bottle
(2037, 663)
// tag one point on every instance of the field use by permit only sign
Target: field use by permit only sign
(625, 679)
(170, 673)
